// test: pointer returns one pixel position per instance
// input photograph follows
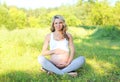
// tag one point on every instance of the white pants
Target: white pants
(74, 65)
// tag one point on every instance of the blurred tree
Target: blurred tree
(33, 21)
(117, 13)
(17, 18)
(4, 16)
(101, 14)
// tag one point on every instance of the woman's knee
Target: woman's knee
(82, 58)
(41, 59)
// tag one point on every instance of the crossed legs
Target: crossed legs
(75, 64)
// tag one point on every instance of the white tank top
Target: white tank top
(62, 44)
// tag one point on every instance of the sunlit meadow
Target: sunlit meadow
(20, 48)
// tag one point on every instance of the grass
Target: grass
(19, 50)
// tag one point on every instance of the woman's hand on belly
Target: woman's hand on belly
(61, 65)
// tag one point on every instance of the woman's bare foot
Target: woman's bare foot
(73, 74)
(42, 69)
(50, 73)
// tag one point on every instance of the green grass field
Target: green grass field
(20, 48)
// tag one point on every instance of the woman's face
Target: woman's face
(58, 24)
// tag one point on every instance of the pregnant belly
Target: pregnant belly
(59, 59)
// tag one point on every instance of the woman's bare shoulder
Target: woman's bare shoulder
(69, 35)
(48, 36)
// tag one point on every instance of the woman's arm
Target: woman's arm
(45, 50)
(72, 49)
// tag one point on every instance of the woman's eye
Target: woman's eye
(55, 23)
(60, 23)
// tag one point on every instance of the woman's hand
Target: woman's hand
(69, 61)
(62, 65)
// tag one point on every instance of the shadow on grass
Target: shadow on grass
(102, 63)
(106, 32)
(22, 76)
(17, 76)
(103, 44)
(86, 74)
(102, 56)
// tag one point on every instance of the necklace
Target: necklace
(58, 36)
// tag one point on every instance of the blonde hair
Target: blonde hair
(64, 29)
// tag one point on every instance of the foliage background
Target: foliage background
(90, 12)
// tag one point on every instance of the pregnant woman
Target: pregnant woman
(59, 45)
